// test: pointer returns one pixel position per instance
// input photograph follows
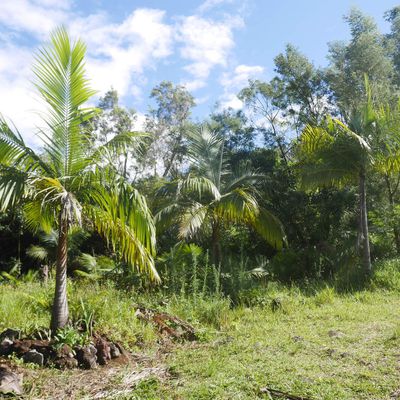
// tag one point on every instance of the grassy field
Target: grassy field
(320, 345)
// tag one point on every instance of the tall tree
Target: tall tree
(167, 124)
(303, 91)
(365, 54)
(70, 184)
(333, 153)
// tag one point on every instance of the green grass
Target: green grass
(323, 345)
(293, 351)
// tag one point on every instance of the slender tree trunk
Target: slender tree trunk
(173, 155)
(125, 175)
(59, 316)
(396, 232)
(365, 250)
(216, 244)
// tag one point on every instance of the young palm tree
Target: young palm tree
(212, 194)
(336, 154)
(70, 184)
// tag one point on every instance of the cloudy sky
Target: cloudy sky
(211, 46)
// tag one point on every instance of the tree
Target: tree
(167, 123)
(336, 154)
(113, 120)
(233, 126)
(69, 184)
(213, 194)
(303, 91)
(262, 99)
(386, 148)
(367, 53)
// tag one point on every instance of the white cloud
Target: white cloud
(234, 81)
(118, 54)
(206, 44)
(18, 102)
(230, 101)
(241, 75)
(209, 4)
(36, 17)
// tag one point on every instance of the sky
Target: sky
(211, 46)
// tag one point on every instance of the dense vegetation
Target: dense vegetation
(212, 219)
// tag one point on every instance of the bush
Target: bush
(212, 311)
(387, 275)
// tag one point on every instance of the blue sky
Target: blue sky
(212, 46)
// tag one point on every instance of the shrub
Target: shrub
(387, 275)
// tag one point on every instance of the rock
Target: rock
(65, 351)
(10, 382)
(65, 358)
(86, 356)
(114, 351)
(6, 347)
(103, 351)
(66, 363)
(11, 334)
(20, 347)
(34, 357)
(44, 347)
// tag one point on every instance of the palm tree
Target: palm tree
(386, 147)
(212, 194)
(337, 154)
(70, 184)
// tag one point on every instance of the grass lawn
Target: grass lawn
(320, 346)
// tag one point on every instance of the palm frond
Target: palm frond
(270, 228)
(38, 253)
(331, 155)
(61, 81)
(15, 153)
(12, 186)
(238, 206)
(121, 215)
(191, 220)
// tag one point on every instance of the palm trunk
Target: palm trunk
(59, 316)
(365, 250)
(396, 232)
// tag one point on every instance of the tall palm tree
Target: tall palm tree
(70, 183)
(386, 148)
(212, 194)
(337, 154)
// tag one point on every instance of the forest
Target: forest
(252, 254)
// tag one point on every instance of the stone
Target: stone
(65, 351)
(103, 351)
(20, 347)
(34, 357)
(86, 356)
(114, 351)
(10, 382)
(66, 363)
(6, 347)
(11, 334)
(65, 358)
(44, 347)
